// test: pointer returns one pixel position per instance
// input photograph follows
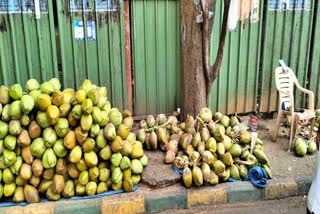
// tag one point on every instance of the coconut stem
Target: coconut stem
(156, 126)
(201, 121)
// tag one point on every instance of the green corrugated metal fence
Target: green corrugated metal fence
(102, 59)
(91, 43)
(236, 88)
(156, 55)
(315, 60)
(288, 37)
(156, 60)
(27, 44)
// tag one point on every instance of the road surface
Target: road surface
(293, 205)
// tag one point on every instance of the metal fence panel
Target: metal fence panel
(27, 44)
(288, 37)
(156, 55)
(315, 60)
(236, 88)
(92, 45)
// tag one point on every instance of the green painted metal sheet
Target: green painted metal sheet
(156, 55)
(288, 37)
(27, 45)
(315, 60)
(102, 60)
(236, 88)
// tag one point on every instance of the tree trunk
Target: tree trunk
(193, 79)
(197, 76)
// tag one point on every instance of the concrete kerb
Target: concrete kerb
(173, 197)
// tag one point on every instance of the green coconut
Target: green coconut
(96, 115)
(219, 167)
(15, 111)
(10, 142)
(15, 127)
(225, 121)
(86, 85)
(245, 137)
(227, 159)
(144, 160)
(4, 129)
(220, 149)
(205, 114)
(234, 121)
(49, 159)
(227, 142)
(15, 91)
(94, 130)
(117, 175)
(93, 95)
(42, 119)
(47, 87)
(219, 133)
(35, 95)
(261, 156)
(27, 104)
(217, 116)
(125, 163)
(104, 118)
(59, 149)
(5, 113)
(86, 122)
(136, 166)
(312, 146)
(197, 176)
(55, 83)
(32, 84)
(87, 106)
(234, 172)
(243, 171)
(25, 120)
(9, 157)
(235, 150)
(61, 127)
(38, 147)
(107, 106)
(4, 95)
(300, 147)
(115, 117)
(49, 137)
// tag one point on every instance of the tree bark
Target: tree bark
(197, 75)
(193, 81)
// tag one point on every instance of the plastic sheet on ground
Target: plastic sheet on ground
(10, 203)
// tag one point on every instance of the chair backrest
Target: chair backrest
(285, 82)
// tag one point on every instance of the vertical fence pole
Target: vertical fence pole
(128, 54)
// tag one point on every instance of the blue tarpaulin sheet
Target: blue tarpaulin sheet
(9, 203)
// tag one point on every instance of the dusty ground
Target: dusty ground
(284, 164)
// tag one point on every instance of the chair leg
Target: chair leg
(294, 122)
(276, 128)
(311, 128)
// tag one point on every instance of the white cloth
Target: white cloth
(314, 192)
(234, 14)
(255, 11)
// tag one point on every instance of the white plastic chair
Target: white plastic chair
(285, 82)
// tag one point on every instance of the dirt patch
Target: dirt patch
(284, 164)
